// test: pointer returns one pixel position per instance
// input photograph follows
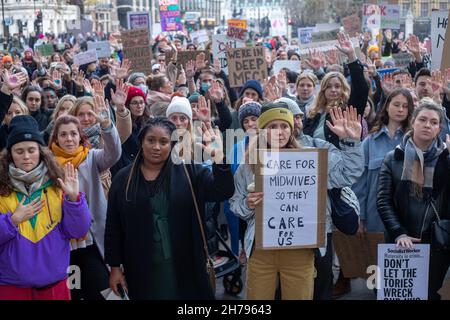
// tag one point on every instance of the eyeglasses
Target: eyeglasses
(136, 103)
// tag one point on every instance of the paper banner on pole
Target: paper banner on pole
(85, 57)
(220, 44)
(292, 213)
(136, 48)
(102, 47)
(403, 273)
(246, 64)
(170, 14)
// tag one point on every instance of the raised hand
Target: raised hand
(216, 66)
(101, 111)
(200, 62)
(70, 185)
(37, 58)
(98, 87)
(211, 142)
(122, 71)
(437, 83)
(216, 92)
(446, 82)
(314, 61)
(346, 46)
(182, 77)
(387, 84)
(413, 45)
(388, 35)
(332, 57)
(26, 212)
(119, 97)
(352, 123)
(190, 69)
(204, 109)
(87, 86)
(282, 81)
(56, 80)
(15, 81)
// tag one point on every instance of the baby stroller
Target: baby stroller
(226, 263)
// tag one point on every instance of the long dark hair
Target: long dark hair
(29, 89)
(133, 177)
(54, 170)
(383, 116)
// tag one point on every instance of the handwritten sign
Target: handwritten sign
(381, 16)
(138, 20)
(237, 23)
(439, 23)
(403, 273)
(200, 36)
(246, 64)
(220, 44)
(85, 57)
(136, 48)
(238, 34)
(46, 50)
(402, 60)
(170, 14)
(292, 214)
(102, 47)
(305, 34)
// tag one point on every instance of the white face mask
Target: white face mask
(143, 87)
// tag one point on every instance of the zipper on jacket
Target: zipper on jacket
(48, 207)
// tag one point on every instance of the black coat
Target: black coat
(128, 235)
(358, 99)
(5, 103)
(403, 213)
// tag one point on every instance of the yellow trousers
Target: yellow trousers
(296, 269)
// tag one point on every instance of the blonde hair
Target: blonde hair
(79, 102)
(309, 76)
(320, 102)
(67, 97)
(21, 104)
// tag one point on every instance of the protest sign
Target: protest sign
(200, 36)
(238, 34)
(305, 34)
(85, 57)
(293, 65)
(403, 273)
(445, 61)
(292, 213)
(296, 49)
(384, 16)
(352, 25)
(138, 20)
(357, 252)
(45, 50)
(136, 48)
(170, 14)
(237, 23)
(324, 35)
(102, 47)
(220, 44)
(246, 64)
(184, 56)
(439, 22)
(402, 60)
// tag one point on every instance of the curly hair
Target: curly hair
(54, 170)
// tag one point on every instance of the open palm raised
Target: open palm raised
(345, 123)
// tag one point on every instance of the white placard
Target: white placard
(439, 22)
(293, 65)
(85, 57)
(305, 34)
(102, 47)
(220, 43)
(200, 36)
(403, 273)
(290, 205)
(138, 20)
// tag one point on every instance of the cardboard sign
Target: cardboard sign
(445, 63)
(170, 14)
(356, 253)
(403, 273)
(439, 22)
(102, 47)
(242, 24)
(138, 20)
(136, 48)
(238, 34)
(85, 57)
(184, 56)
(246, 64)
(293, 65)
(324, 36)
(292, 213)
(352, 25)
(46, 50)
(220, 44)
(402, 60)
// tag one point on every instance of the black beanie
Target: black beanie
(23, 128)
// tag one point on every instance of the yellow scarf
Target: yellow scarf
(75, 158)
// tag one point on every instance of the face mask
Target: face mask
(205, 86)
(143, 87)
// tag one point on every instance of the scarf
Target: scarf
(418, 165)
(94, 135)
(64, 157)
(305, 104)
(28, 182)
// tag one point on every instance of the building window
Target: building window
(405, 8)
(443, 5)
(424, 9)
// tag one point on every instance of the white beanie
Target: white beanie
(181, 105)
(292, 105)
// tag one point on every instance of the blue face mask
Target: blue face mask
(143, 87)
(205, 86)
